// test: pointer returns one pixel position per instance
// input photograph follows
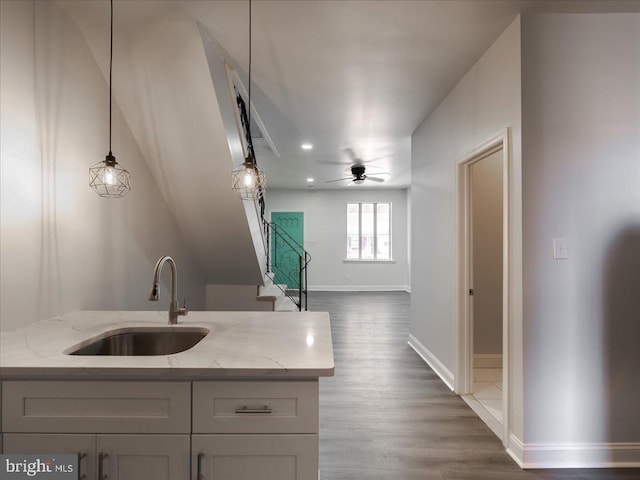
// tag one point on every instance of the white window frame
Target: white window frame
(375, 234)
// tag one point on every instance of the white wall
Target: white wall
(481, 105)
(581, 181)
(486, 207)
(164, 85)
(325, 232)
(62, 247)
(235, 298)
(576, 165)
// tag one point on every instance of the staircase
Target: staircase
(290, 260)
(289, 263)
(276, 294)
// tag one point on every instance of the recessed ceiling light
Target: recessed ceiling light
(309, 179)
(306, 146)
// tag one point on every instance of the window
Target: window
(368, 231)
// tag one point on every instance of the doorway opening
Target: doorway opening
(483, 282)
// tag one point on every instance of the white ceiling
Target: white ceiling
(342, 74)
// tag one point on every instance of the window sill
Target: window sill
(355, 260)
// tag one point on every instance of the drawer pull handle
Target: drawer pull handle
(245, 409)
(81, 455)
(199, 475)
(101, 457)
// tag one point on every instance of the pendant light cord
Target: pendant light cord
(249, 65)
(110, 77)
(249, 121)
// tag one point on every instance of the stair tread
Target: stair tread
(285, 304)
(276, 290)
(268, 279)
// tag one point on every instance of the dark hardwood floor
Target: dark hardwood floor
(386, 415)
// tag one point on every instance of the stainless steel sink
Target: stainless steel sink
(141, 341)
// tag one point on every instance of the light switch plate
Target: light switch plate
(560, 249)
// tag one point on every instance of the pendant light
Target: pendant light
(108, 178)
(247, 180)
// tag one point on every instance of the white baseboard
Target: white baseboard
(515, 449)
(574, 455)
(487, 360)
(480, 410)
(435, 364)
(359, 288)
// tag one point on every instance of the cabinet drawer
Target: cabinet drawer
(264, 457)
(96, 407)
(255, 407)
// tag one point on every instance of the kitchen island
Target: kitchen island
(240, 404)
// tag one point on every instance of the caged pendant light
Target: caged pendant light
(247, 180)
(107, 178)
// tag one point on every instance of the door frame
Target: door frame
(464, 337)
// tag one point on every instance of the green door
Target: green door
(286, 248)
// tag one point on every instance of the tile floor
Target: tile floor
(487, 389)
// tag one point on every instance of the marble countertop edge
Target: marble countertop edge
(239, 345)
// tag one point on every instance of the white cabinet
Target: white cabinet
(255, 430)
(133, 457)
(225, 430)
(117, 457)
(33, 443)
(97, 407)
(124, 430)
(255, 407)
(251, 457)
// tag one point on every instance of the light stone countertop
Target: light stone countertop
(239, 345)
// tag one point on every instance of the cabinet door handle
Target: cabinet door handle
(199, 475)
(81, 455)
(245, 409)
(101, 457)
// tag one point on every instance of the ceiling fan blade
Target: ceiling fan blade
(375, 159)
(329, 162)
(351, 155)
(375, 179)
(338, 180)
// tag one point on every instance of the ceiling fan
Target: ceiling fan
(354, 159)
(358, 176)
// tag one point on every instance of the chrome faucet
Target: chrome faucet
(174, 310)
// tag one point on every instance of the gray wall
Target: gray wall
(486, 207)
(481, 105)
(325, 225)
(62, 247)
(581, 180)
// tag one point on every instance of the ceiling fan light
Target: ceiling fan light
(358, 181)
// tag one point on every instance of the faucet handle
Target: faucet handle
(183, 310)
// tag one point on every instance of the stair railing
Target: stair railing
(296, 279)
(288, 262)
